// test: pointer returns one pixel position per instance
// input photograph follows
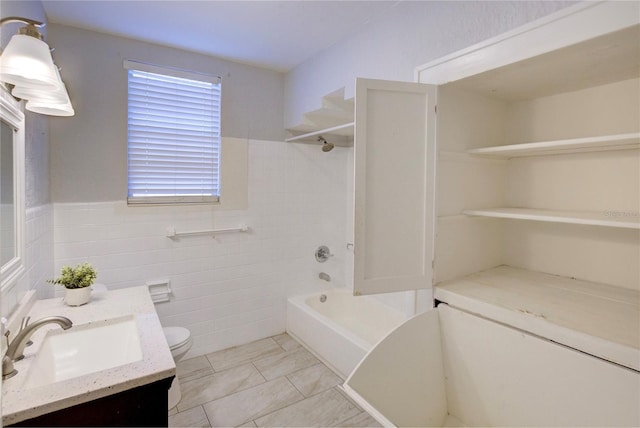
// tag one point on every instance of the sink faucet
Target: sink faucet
(16, 347)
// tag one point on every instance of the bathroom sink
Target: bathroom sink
(85, 349)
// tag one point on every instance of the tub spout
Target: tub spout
(324, 276)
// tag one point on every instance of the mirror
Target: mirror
(12, 203)
(7, 205)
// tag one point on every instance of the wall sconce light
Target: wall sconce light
(27, 64)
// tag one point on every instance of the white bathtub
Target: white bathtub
(341, 330)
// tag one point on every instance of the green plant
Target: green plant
(80, 276)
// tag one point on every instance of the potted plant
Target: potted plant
(77, 282)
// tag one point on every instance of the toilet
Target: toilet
(179, 341)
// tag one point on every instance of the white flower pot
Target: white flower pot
(77, 296)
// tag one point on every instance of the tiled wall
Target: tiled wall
(231, 289)
(40, 248)
(38, 258)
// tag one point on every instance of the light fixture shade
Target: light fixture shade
(54, 97)
(50, 109)
(58, 96)
(51, 103)
(27, 62)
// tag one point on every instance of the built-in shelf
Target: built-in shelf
(343, 132)
(620, 219)
(598, 319)
(333, 121)
(574, 145)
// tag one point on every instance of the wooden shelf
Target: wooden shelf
(575, 145)
(630, 220)
(598, 319)
(342, 131)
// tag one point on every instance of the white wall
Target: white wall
(411, 34)
(39, 258)
(599, 182)
(39, 221)
(296, 192)
(391, 47)
(232, 289)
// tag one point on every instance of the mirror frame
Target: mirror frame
(12, 114)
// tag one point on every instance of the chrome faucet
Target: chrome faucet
(16, 347)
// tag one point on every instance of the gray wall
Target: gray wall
(37, 152)
(39, 225)
(410, 34)
(37, 126)
(89, 150)
(88, 158)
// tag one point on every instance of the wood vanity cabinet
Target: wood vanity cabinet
(143, 406)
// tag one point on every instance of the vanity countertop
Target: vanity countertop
(19, 403)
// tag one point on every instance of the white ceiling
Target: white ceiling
(609, 58)
(273, 34)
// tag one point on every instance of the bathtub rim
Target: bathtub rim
(363, 344)
(300, 302)
(338, 347)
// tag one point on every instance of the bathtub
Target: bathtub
(341, 330)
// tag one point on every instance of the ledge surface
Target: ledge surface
(598, 319)
(19, 403)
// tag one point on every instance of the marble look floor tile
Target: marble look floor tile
(249, 424)
(193, 368)
(287, 342)
(237, 355)
(283, 364)
(363, 420)
(314, 379)
(327, 409)
(217, 385)
(195, 417)
(173, 410)
(341, 390)
(252, 403)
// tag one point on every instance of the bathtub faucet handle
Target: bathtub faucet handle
(323, 253)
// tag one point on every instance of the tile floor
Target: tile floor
(273, 382)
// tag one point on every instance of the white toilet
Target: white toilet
(179, 340)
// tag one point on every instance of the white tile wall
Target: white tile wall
(231, 289)
(38, 259)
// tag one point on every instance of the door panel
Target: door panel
(401, 380)
(394, 180)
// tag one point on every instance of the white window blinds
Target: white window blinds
(173, 150)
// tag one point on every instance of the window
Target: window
(173, 138)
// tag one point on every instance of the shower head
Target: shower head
(326, 146)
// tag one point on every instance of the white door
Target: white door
(394, 147)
